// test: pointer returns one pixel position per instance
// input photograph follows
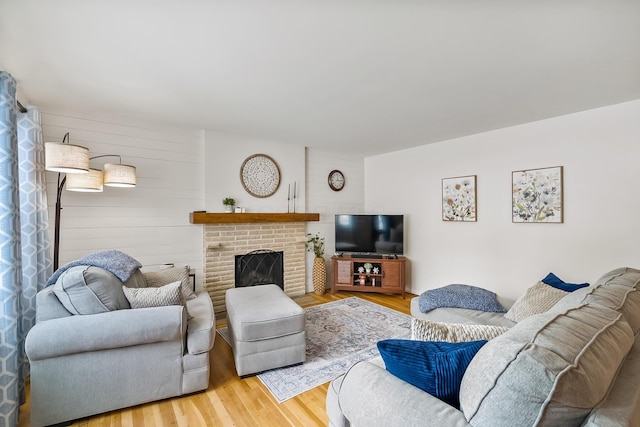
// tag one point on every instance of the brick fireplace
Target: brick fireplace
(226, 235)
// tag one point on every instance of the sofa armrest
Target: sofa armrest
(94, 332)
(369, 395)
(201, 329)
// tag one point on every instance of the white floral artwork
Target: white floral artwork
(537, 195)
(376, 270)
(459, 198)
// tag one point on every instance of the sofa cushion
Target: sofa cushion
(136, 280)
(155, 279)
(622, 404)
(427, 330)
(89, 290)
(460, 296)
(553, 280)
(202, 326)
(620, 289)
(435, 367)
(549, 369)
(537, 299)
(462, 315)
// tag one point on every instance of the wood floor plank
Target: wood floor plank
(229, 400)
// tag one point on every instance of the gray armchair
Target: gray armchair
(86, 364)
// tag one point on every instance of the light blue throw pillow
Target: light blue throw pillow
(435, 367)
(460, 296)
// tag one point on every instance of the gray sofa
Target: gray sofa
(576, 364)
(86, 364)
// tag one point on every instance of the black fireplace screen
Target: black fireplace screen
(259, 267)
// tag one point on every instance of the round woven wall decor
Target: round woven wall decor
(260, 175)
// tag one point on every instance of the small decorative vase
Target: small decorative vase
(319, 276)
(228, 208)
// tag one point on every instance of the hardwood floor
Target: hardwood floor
(229, 400)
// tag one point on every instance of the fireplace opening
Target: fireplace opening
(261, 267)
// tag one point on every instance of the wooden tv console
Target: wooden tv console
(389, 275)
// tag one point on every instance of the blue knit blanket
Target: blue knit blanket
(119, 263)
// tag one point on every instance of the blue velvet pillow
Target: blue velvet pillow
(556, 282)
(435, 367)
(460, 296)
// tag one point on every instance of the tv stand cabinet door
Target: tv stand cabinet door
(393, 275)
(342, 272)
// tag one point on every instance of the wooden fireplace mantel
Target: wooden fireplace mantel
(242, 218)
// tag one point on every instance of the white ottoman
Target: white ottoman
(267, 329)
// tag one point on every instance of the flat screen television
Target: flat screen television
(370, 234)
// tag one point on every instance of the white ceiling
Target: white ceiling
(373, 75)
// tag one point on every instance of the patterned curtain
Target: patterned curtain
(25, 256)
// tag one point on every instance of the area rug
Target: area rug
(339, 334)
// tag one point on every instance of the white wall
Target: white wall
(322, 199)
(149, 222)
(224, 155)
(599, 150)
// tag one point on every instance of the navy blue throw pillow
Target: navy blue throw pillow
(460, 296)
(556, 282)
(435, 367)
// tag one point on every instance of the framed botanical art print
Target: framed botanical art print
(459, 198)
(537, 195)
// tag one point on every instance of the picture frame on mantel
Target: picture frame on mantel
(537, 195)
(459, 199)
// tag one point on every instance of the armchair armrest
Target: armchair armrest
(370, 395)
(94, 332)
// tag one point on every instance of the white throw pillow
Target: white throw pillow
(537, 299)
(154, 297)
(427, 330)
(155, 279)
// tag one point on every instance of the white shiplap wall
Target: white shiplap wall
(149, 222)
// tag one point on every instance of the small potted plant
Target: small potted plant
(229, 203)
(368, 266)
(315, 244)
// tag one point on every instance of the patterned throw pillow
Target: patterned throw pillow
(154, 297)
(538, 299)
(155, 279)
(427, 330)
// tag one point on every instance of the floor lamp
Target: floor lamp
(73, 161)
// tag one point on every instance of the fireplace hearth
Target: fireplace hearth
(259, 267)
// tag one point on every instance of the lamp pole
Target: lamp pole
(56, 235)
